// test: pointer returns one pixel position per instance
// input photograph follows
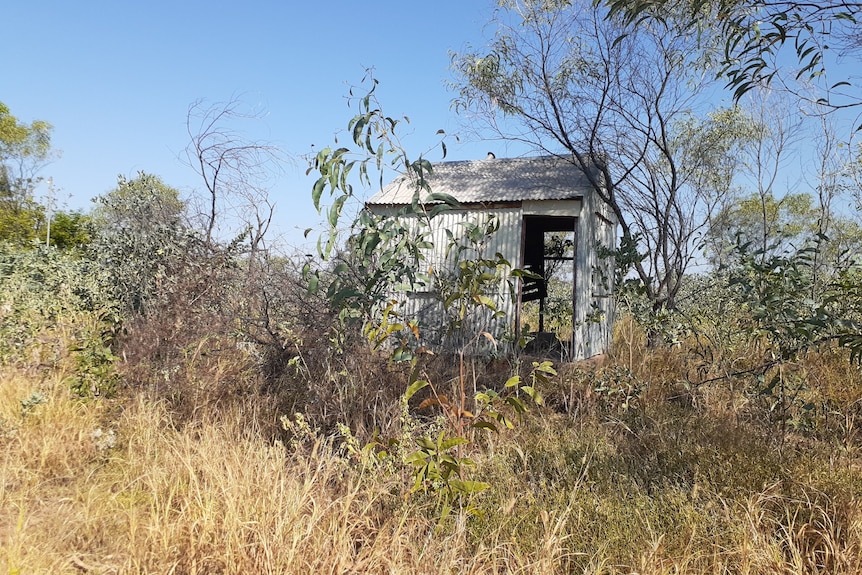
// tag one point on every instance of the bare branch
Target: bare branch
(612, 98)
(236, 172)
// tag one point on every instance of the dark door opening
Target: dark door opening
(548, 301)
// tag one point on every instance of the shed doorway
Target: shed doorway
(548, 301)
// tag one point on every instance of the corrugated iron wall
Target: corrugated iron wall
(506, 241)
(594, 307)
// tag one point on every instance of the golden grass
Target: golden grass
(211, 497)
(124, 486)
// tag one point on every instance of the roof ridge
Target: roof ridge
(500, 160)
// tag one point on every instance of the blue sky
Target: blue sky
(116, 80)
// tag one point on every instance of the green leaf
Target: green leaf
(438, 209)
(487, 302)
(448, 444)
(417, 458)
(415, 387)
(486, 425)
(447, 199)
(534, 395)
(447, 461)
(317, 191)
(360, 124)
(545, 367)
(320, 159)
(516, 404)
(329, 245)
(402, 354)
(426, 443)
(335, 210)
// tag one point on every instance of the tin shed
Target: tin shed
(550, 222)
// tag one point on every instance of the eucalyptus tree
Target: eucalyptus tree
(24, 150)
(623, 102)
(755, 34)
(141, 238)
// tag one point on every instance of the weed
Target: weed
(29, 404)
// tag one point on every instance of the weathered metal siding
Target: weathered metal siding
(593, 297)
(594, 302)
(505, 241)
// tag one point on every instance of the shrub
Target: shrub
(50, 299)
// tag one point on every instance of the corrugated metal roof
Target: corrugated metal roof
(495, 180)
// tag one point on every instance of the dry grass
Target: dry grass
(209, 497)
(197, 484)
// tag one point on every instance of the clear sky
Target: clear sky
(116, 79)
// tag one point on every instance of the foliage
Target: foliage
(847, 298)
(20, 220)
(468, 313)
(617, 101)
(438, 467)
(772, 224)
(380, 251)
(754, 34)
(94, 372)
(70, 230)
(438, 463)
(379, 265)
(778, 292)
(179, 297)
(140, 238)
(789, 303)
(776, 224)
(42, 290)
(755, 321)
(45, 293)
(497, 411)
(28, 224)
(24, 149)
(468, 292)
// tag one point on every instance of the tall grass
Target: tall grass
(629, 471)
(207, 497)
